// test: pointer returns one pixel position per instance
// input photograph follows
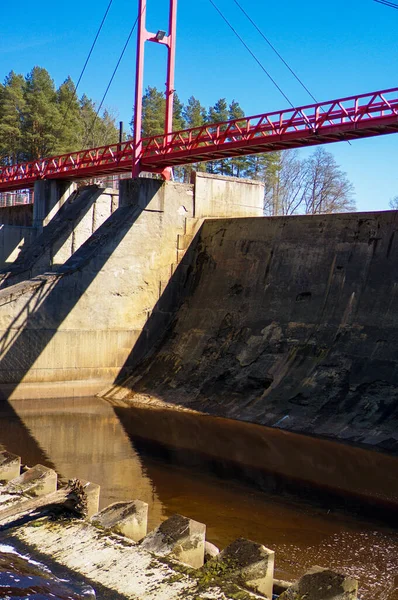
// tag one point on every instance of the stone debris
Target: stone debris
(211, 551)
(111, 550)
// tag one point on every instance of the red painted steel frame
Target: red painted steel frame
(355, 117)
(169, 41)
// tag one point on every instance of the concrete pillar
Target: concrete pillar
(10, 466)
(125, 518)
(179, 537)
(49, 196)
(322, 584)
(249, 564)
(37, 481)
(140, 191)
(92, 491)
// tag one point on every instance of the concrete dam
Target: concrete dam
(289, 322)
(224, 349)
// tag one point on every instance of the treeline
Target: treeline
(38, 120)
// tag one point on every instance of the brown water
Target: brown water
(202, 467)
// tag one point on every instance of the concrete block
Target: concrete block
(37, 481)
(126, 518)
(93, 495)
(180, 537)
(249, 564)
(322, 584)
(10, 466)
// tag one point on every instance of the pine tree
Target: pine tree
(42, 118)
(238, 165)
(97, 130)
(194, 113)
(195, 116)
(12, 104)
(218, 114)
(153, 112)
(178, 114)
(265, 167)
(72, 128)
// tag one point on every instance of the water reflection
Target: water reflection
(83, 438)
(86, 438)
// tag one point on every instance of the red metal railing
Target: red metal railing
(343, 119)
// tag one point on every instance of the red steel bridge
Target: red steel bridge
(349, 118)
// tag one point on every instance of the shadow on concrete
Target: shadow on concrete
(285, 322)
(36, 257)
(43, 311)
(63, 573)
(161, 320)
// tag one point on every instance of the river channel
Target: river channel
(312, 501)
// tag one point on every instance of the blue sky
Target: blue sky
(338, 49)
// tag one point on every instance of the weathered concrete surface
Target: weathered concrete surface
(179, 537)
(12, 239)
(45, 249)
(49, 197)
(288, 322)
(112, 564)
(37, 481)
(74, 329)
(10, 466)
(322, 584)
(71, 333)
(21, 216)
(217, 195)
(249, 563)
(126, 518)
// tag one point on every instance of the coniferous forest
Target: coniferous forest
(38, 120)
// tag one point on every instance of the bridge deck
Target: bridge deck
(349, 118)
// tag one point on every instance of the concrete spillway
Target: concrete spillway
(288, 322)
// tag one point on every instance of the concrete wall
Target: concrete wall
(17, 215)
(290, 322)
(72, 332)
(12, 240)
(221, 196)
(28, 252)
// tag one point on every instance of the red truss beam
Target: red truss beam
(349, 118)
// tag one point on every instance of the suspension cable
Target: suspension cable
(111, 80)
(251, 53)
(390, 4)
(88, 57)
(275, 50)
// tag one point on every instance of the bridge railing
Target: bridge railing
(369, 114)
(312, 117)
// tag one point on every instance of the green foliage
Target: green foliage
(12, 106)
(41, 118)
(38, 120)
